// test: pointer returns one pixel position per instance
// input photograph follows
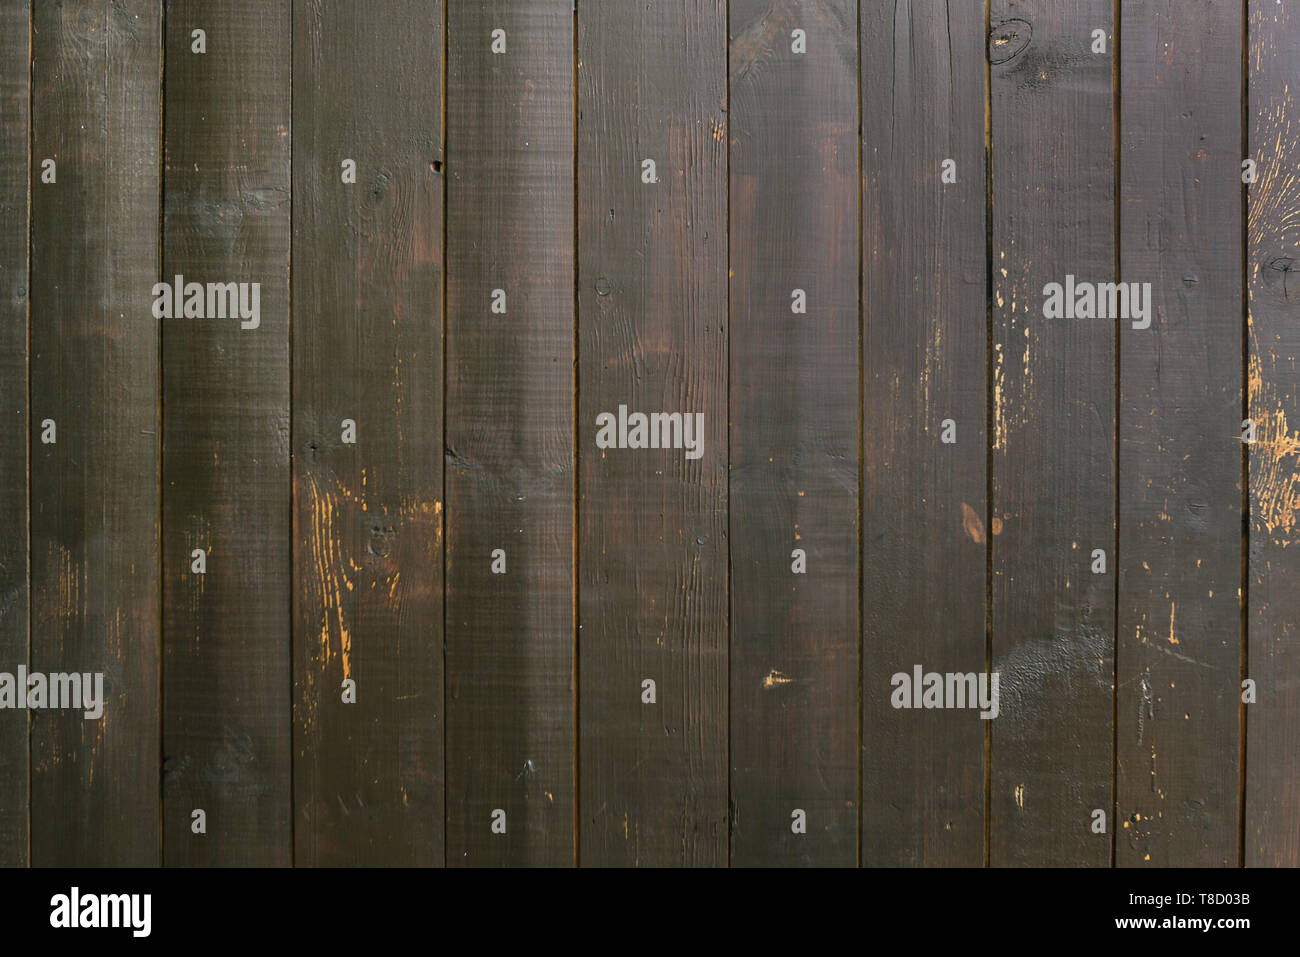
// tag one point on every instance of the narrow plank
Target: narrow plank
(94, 374)
(1053, 460)
(794, 432)
(510, 636)
(15, 101)
(367, 291)
(226, 439)
(1272, 827)
(1179, 638)
(652, 548)
(925, 334)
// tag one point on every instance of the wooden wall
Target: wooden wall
(368, 585)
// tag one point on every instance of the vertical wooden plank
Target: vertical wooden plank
(652, 547)
(367, 349)
(1179, 639)
(1272, 827)
(1053, 462)
(925, 281)
(510, 132)
(15, 100)
(226, 438)
(794, 432)
(94, 375)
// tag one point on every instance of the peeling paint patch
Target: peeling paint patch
(775, 678)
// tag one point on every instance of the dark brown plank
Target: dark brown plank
(924, 279)
(652, 551)
(15, 100)
(510, 636)
(367, 291)
(1179, 638)
(226, 439)
(1053, 437)
(794, 432)
(94, 374)
(1272, 826)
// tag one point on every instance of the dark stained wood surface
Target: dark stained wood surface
(367, 347)
(925, 334)
(1271, 826)
(502, 146)
(15, 606)
(510, 439)
(794, 433)
(1179, 645)
(1052, 433)
(225, 678)
(94, 375)
(652, 524)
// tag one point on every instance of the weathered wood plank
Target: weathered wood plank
(15, 607)
(510, 457)
(1272, 826)
(1053, 433)
(1179, 638)
(794, 432)
(925, 281)
(226, 635)
(94, 380)
(367, 349)
(652, 548)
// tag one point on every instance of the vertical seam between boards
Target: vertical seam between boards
(293, 485)
(1117, 212)
(442, 456)
(731, 816)
(31, 146)
(861, 417)
(573, 373)
(989, 421)
(1245, 503)
(158, 439)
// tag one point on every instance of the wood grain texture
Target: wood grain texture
(226, 439)
(94, 373)
(15, 607)
(499, 276)
(1053, 433)
(1179, 638)
(924, 278)
(1272, 826)
(652, 322)
(510, 474)
(794, 432)
(367, 346)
